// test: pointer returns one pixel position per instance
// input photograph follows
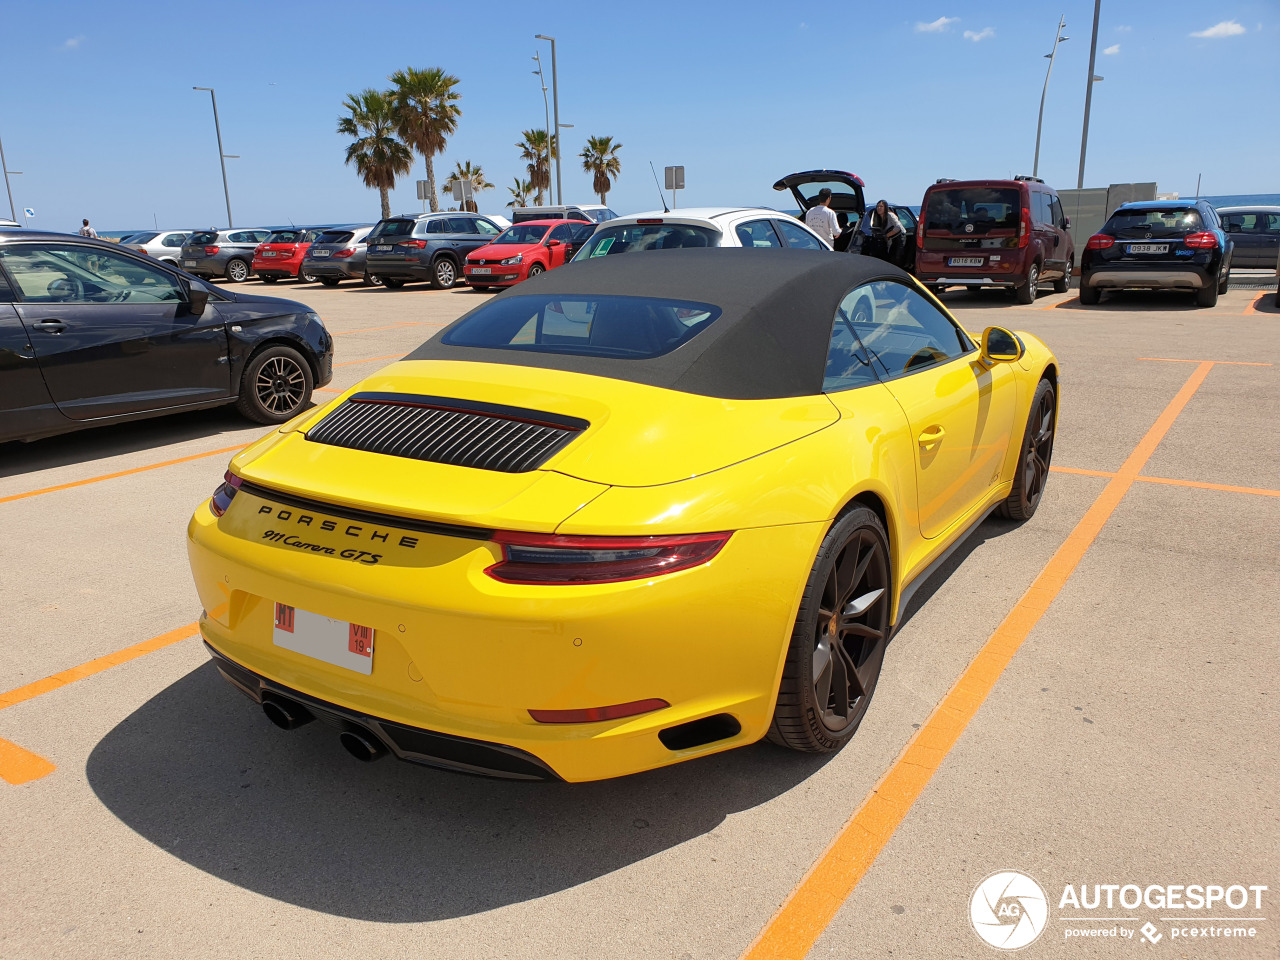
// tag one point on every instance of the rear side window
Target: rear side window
(796, 237)
(635, 328)
(637, 237)
(437, 226)
(174, 240)
(204, 236)
(1154, 223)
(486, 228)
(1041, 208)
(462, 225)
(757, 233)
(973, 210)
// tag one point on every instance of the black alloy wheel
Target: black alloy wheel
(1035, 456)
(1026, 292)
(237, 270)
(838, 642)
(276, 385)
(444, 274)
(1063, 283)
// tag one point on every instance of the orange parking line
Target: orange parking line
(1229, 363)
(22, 766)
(1060, 303)
(351, 363)
(811, 906)
(1169, 481)
(1252, 308)
(1083, 473)
(121, 473)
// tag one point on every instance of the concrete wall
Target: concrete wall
(1090, 208)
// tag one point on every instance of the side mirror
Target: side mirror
(553, 243)
(197, 300)
(1000, 346)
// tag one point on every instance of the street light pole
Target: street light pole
(13, 212)
(555, 100)
(222, 157)
(1088, 92)
(546, 110)
(1062, 22)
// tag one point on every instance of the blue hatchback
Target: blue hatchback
(1158, 245)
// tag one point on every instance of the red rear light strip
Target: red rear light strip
(1201, 241)
(540, 567)
(1100, 241)
(596, 714)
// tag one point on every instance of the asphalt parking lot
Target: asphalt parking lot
(1089, 697)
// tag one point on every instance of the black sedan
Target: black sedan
(92, 334)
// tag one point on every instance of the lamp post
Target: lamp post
(545, 108)
(13, 212)
(1088, 93)
(222, 157)
(1062, 22)
(555, 100)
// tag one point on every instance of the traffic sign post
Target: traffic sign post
(423, 195)
(462, 192)
(675, 181)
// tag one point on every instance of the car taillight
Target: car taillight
(210, 251)
(225, 493)
(548, 558)
(919, 236)
(257, 251)
(142, 250)
(339, 254)
(416, 244)
(1024, 229)
(1100, 241)
(596, 714)
(1201, 241)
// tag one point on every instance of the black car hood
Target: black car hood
(846, 189)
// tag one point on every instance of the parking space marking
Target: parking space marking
(1226, 488)
(121, 473)
(1252, 308)
(22, 766)
(811, 906)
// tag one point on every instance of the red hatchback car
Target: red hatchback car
(525, 250)
(280, 256)
(994, 233)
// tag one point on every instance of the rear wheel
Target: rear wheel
(1063, 284)
(444, 274)
(1035, 456)
(276, 385)
(1026, 292)
(1089, 295)
(330, 281)
(1225, 279)
(1207, 296)
(837, 644)
(237, 271)
(393, 283)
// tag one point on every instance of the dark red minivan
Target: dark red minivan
(994, 233)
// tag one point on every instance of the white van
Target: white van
(590, 212)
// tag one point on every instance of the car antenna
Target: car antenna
(665, 208)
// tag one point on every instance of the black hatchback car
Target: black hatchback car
(426, 246)
(1158, 245)
(92, 334)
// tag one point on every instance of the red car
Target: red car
(525, 250)
(280, 256)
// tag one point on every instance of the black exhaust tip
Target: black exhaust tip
(698, 733)
(363, 746)
(284, 713)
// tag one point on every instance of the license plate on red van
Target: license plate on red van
(964, 261)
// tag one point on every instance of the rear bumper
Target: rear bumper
(1146, 278)
(409, 269)
(343, 269)
(276, 268)
(1009, 270)
(203, 266)
(973, 281)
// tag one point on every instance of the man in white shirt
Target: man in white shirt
(88, 231)
(821, 219)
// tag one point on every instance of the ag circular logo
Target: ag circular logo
(1008, 910)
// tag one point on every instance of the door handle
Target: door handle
(50, 326)
(932, 436)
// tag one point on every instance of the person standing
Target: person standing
(886, 225)
(821, 219)
(88, 231)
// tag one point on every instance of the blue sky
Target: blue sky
(98, 111)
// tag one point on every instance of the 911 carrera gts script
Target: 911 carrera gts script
(289, 540)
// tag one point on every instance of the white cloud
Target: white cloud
(73, 42)
(937, 26)
(983, 34)
(1227, 28)
(1123, 29)
(1112, 50)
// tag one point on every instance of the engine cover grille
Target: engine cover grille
(463, 433)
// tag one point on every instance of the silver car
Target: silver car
(222, 253)
(339, 254)
(164, 245)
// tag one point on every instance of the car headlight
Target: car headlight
(518, 258)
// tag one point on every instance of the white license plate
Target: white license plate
(343, 644)
(1148, 248)
(188, 263)
(964, 261)
(482, 270)
(268, 253)
(383, 248)
(319, 253)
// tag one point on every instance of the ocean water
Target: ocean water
(1242, 200)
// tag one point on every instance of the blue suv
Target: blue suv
(426, 246)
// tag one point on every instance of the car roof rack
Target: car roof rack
(1029, 179)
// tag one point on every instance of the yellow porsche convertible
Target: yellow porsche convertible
(633, 511)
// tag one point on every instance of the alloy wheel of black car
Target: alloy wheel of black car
(444, 274)
(837, 645)
(371, 281)
(276, 385)
(1034, 457)
(237, 271)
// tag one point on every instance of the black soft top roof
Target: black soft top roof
(770, 341)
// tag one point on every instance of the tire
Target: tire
(444, 273)
(1026, 292)
(831, 673)
(1207, 296)
(306, 277)
(535, 269)
(1089, 295)
(237, 271)
(1063, 284)
(275, 386)
(1226, 279)
(371, 281)
(268, 279)
(1034, 457)
(330, 281)
(393, 283)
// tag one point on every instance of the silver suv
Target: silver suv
(426, 246)
(222, 253)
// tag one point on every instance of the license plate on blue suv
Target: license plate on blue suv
(1148, 248)
(383, 248)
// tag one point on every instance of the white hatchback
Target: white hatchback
(164, 245)
(700, 227)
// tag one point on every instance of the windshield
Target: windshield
(635, 237)
(974, 210)
(522, 233)
(335, 236)
(600, 216)
(635, 328)
(1141, 224)
(393, 228)
(204, 236)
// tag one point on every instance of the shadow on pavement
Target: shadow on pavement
(989, 529)
(201, 773)
(1138, 300)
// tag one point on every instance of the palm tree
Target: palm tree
(378, 156)
(427, 112)
(467, 171)
(520, 193)
(533, 149)
(600, 158)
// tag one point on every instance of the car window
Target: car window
(1146, 224)
(244, 236)
(487, 228)
(973, 210)
(462, 225)
(173, 240)
(581, 231)
(6, 291)
(201, 237)
(1055, 211)
(848, 364)
(1273, 223)
(335, 236)
(901, 330)
(287, 236)
(636, 237)
(906, 218)
(758, 233)
(797, 237)
(563, 233)
(436, 226)
(53, 273)
(1242, 222)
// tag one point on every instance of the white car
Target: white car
(700, 227)
(164, 245)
